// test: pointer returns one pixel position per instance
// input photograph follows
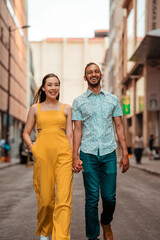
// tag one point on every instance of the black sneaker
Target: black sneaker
(94, 239)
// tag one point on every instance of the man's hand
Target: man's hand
(77, 165)
(124, 163)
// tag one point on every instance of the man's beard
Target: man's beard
(93, 84)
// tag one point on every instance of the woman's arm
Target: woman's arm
(77, 135)
(69, 125)
(31, 119)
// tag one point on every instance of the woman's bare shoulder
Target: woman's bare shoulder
(67, 109)
(34, 108)
(67, 106)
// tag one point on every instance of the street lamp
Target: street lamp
(9, 77)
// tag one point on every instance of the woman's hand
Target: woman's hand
(77, 165)
(30, 146)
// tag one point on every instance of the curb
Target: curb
(147, 170)
(8, 165)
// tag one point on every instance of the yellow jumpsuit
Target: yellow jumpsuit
(52, 176)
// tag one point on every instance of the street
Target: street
(137, 214)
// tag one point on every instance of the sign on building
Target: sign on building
(153, 18)
(153, 84)
(126, 105)
(141, 103)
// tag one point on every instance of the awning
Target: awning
(148, 48)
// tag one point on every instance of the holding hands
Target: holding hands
(77, 165)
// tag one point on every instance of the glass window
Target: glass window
(130, 37)
(140, 95)
(140, 21)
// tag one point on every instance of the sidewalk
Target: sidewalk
(151, 166)
(13, 162)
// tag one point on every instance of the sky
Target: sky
(66, 18)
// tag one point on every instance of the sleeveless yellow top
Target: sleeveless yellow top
(51, 119)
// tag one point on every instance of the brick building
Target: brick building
(133, 64)
(13, 14)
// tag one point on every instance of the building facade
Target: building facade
(113, 61)
(136, 66)
(13, 71)
(67, 59)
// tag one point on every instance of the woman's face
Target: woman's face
(51, 87)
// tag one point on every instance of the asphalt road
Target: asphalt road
(137, 215)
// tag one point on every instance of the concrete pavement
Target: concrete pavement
(151, 166)
(13, 162)
(135, 217)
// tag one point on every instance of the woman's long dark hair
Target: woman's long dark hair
(40, 95)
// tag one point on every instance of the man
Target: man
(138, 147)
(93, 114)
(151, 146)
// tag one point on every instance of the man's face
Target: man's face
(93, 75)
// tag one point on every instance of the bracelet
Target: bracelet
(29, 144)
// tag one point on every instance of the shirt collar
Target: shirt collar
(89, 92)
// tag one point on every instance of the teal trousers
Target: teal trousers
(99, 175)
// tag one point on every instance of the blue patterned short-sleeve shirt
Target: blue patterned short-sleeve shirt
(96, 113)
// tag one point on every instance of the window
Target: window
(140, 21)
(130, 37)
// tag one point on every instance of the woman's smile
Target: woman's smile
(53, 93)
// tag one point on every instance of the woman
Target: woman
(52, 153)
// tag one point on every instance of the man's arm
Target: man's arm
(124, 162)
(77, 134)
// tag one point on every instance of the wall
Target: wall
(67, 58)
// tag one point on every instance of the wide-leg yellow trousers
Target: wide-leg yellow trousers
(53, 182)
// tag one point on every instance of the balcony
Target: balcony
(148, 48)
